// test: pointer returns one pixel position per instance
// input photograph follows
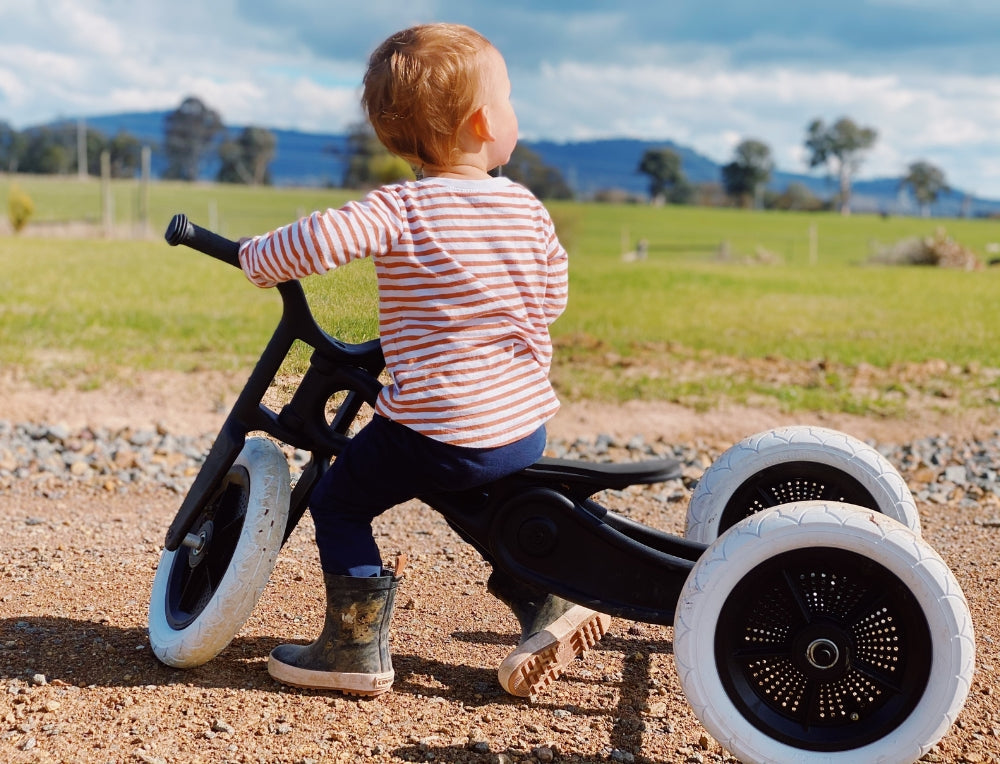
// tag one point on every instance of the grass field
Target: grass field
(86, 309)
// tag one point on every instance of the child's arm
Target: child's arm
(321, 241)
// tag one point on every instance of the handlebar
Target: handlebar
(183, 231)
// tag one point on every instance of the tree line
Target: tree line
(840, 148)
(195, 134)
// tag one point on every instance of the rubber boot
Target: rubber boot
(553, 633)
(352, 653)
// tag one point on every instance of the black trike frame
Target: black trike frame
(540, 525)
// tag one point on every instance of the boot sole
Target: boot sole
(348, 683)
(542, 658)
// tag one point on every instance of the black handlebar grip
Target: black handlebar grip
(183, 231)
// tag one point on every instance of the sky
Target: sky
(703, 73)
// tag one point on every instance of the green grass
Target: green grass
(836, 307)
(87, 310)
(232, 210)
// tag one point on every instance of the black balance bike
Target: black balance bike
(811, 621)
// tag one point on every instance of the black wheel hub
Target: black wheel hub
(199, 553)
(197, 572)
(823, 648)
(822, 651)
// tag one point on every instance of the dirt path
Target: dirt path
(78, 681)
(195, 404)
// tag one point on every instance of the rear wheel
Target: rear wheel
(792, 464)
(823, 632)
(205, 590)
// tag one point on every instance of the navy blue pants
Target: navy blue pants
(386, 464)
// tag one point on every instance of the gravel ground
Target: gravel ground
(85, 510)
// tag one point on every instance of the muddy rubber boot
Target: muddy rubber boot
(352, 653)
(553, 633)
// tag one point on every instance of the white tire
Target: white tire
(201, 599)
(821, 632)
(797, 463)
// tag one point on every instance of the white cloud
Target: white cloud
(12, 90)
(711, 110)
(85, 29)
(620, 72)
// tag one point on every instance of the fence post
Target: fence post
(813, 244)
(144, 192)
(107, 201)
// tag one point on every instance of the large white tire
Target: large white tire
(797, 463)
(196, 608)
(821, 632)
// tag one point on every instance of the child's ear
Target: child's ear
(479, 123)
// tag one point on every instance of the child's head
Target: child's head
(422, 84)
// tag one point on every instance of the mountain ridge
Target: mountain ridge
(317, 159)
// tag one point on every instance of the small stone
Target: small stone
(220, 726)
(544, 754)
(955, 474)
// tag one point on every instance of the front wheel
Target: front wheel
(823, 632)
(790, 464)
(206, 589)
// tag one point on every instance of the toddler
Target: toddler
(470, 276)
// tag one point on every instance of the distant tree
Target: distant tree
(927, 183)
(56, 150)
(188, 135)
(247, 159)
(841, 147)
(368, 163)
(51, 150)
(48, 151)
(11, 146)
(126, 155)
(745, 177)
(527, 168)
(666, 178)
(796, 196)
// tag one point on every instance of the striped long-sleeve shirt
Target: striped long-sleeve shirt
(470, 276)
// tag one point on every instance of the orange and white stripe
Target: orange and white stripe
(470, 275)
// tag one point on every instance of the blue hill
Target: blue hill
(317, 159)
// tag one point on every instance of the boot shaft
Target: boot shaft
(358, 610)
(355, 635)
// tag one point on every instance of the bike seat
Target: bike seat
(600, 475)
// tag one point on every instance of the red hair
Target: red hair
(421, 86)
